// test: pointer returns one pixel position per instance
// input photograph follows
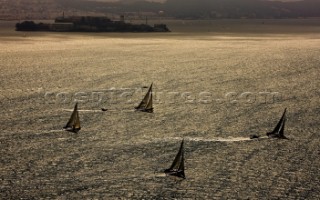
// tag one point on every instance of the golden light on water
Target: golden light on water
(118, 154)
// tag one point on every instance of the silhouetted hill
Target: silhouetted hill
(242, 8)
(213, 8)
(195, 9)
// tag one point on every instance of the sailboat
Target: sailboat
(146, 103)
(177, 167)
(73, 124)
(278, 131)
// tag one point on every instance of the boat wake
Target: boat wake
(54, 131)
(102, 111)
(71, 110)
(215, 139)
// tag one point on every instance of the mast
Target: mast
(146, 103)
(278, 131)
(177, 166)
(73, 124)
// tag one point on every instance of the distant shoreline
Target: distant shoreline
(220, 26)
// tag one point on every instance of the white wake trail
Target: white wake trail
(214, 139)
(71, 110)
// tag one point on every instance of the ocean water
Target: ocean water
(215, 83)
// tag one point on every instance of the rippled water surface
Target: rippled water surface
(215, 83)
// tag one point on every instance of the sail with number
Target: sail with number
(177, 166)
(146, 103)
(278, 131)
(73, 124)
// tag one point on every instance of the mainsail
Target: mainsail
(73, 124)
(278, 131)
(146, 103)
(177, 167)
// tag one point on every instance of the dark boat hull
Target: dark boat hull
(73, 130)
(150, 110)
(179, 173)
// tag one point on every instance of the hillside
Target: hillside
(29, 9)
(191, 9)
